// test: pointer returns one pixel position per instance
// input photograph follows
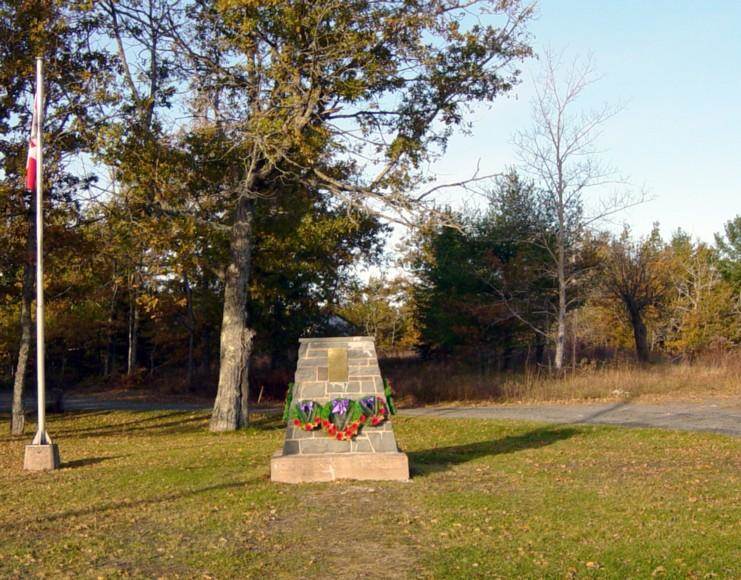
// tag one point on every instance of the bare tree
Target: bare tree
(559, 152)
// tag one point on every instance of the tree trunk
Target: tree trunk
(639, 334)
(189, 378)
(152, 359)
(191, 327)
(539, 350)
(244, 395)
(561, 331)
(205, 365)
(110, 355)
(133, 333)
(574, 338)
(561, 271)
(507, 357)
(18, 417)
(230, 407)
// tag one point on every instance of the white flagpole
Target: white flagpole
(41, 437)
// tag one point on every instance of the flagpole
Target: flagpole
(42, 454)
(41, 436)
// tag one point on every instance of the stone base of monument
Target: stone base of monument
(41, 457)
(330, 467)
(329, 369)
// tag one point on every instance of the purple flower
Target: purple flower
(340, 406)
(306, 407)
(368, 402)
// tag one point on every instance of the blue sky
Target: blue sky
(676, 69)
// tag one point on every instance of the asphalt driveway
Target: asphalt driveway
(719, 416)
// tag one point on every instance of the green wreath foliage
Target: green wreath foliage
(305, 415)
(389, 397)
(341, 418)
(287, 403)
(374, 409)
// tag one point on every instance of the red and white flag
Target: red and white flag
(33, 149)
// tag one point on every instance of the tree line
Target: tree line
(218, 171)
(490, 287)
(532, 274)
(216, 168)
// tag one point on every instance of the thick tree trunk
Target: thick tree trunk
(230, 407)
(640, 334)
(18, 417)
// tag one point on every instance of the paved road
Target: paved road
(719, 416)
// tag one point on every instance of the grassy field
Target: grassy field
(418, 381)
(156, 495)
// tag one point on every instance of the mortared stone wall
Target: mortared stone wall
(312, 383)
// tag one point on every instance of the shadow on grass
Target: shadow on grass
(442, 458)
(267, 422)
(88, 461)
(112, 426)
(166, 423)
(181, 422)
(134, 504)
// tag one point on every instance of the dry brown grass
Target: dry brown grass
(417, 381)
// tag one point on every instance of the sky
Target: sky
(674, 68)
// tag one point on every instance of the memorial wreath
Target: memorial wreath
(341, 418)
(306, 415)
(374, 408)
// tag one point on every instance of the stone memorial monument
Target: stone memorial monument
(339, 421)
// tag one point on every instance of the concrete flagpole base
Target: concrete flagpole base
(44, 457)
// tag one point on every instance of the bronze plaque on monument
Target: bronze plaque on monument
(337, 363)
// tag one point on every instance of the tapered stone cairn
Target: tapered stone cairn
(328, 369)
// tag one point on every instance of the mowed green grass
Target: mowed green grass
(156, 495)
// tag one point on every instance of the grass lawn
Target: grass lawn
(155, 494)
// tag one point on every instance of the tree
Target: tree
(448, 291)
(634, 273)
(305, 248)
(515, 262)
(60, 33)
(559, 153)
(704, 310)
(349, 97)
(383, 308)
(729, 248)
(482, 286)
(134, 147)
